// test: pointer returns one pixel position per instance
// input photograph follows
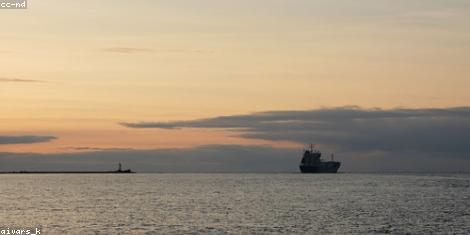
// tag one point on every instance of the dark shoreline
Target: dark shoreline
(68, 172)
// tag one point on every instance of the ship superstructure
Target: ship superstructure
(312, 163)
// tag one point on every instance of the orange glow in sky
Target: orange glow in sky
(75, 72)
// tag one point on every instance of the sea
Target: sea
(343, 203)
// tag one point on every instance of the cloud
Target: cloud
(84, 148)
(432, 130)
(3, 79)
(127, 50)
(26, 139)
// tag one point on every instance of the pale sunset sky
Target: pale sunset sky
(77, 70)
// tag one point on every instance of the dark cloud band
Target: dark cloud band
(18, 80)
(348, 128)
(26, 139)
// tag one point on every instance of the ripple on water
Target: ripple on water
(238, 203)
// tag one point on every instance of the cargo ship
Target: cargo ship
(312, 163)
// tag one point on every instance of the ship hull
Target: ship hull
(329, 167)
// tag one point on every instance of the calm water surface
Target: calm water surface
(237, 203)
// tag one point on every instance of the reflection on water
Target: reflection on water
(237, 203)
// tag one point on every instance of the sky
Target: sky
(234, 85)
